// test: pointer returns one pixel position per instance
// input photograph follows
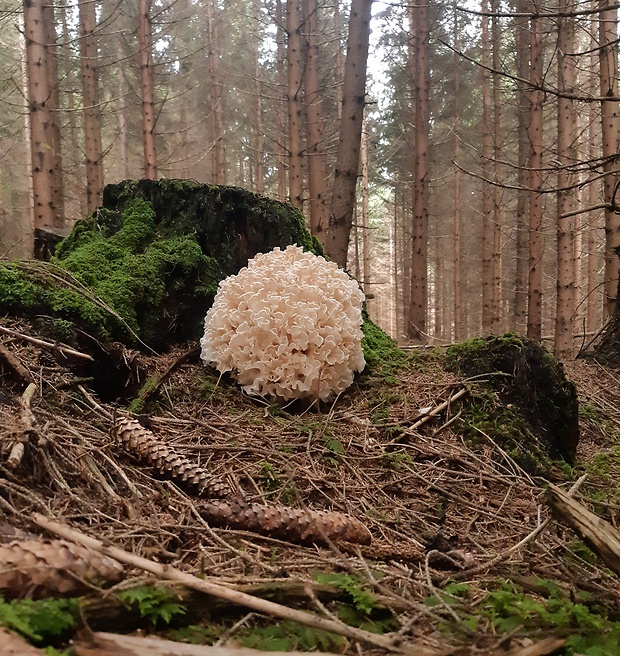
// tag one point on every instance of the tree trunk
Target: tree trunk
(92, 113)
(259, 182)
(41, 125)
(317, 174)
(523, 179)
(485, 169)
(496, 257)
(608, 37)
(565, 299)
(281, 111)
(418, 21)
(216, 117)
(54, 103)
(534, 313)
(456, 202)
(147, 86)
(366, 286)
(295, 72)
(347, 163)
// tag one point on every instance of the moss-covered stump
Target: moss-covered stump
(526, 404)
(147, 264)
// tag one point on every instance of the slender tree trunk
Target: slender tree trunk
(523, 179)
(92, 113)
(496, 257)
(347, 162)
(565, 299)
(295, 72)
(41, 124)
(123, 169)
(418, 21)
(28, 229)
(487, 231)
(593, 302)
(282, 106)
(338, 58)
(534, 315)
(366, 286)
(456, 202)
(259, 181)
(147, 86)
(317, 173)
(216, 117)
(608, 37)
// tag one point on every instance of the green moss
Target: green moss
(381, 352)
(536, 411)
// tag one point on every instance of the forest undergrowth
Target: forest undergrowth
(466, 557)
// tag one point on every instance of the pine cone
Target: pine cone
(142, 443)
(286, 523)
(53, 567)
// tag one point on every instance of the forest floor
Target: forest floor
(466, 556)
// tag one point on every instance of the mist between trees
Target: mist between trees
(469, 181)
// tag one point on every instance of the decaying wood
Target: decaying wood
(13, 645)
(598, 534)
(167, 572)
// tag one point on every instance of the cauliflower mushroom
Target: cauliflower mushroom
(288, 326)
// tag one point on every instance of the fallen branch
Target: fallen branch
(65, 350)
(28, 421)
(598, 534)
(167, 572)
(16, 366)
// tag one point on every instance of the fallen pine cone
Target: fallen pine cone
(286, 523)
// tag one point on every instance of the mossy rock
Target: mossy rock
(532, 409)
(154, 254)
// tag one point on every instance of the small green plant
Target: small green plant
(395, 460)
(154, 603)
(361, 598)
(334, 446)
(39, 621)
(197, 635)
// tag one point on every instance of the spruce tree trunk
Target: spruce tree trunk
(92, 113)
(417, 321)
(147, 87)
(565, 299)
(315, 156)
(295, 72)
(496, 256)
(41, 123)
(608, 36)
(534, 306)
(347, 163)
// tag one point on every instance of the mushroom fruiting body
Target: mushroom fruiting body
(288, 325)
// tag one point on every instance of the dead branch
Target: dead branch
(65, 350)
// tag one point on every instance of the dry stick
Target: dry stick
(51, 345)
(18, 368)
(28, 422)
(207, 587)
(427, 417)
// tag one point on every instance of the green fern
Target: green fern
(154, 603)
(39, 621)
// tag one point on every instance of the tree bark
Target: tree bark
(456, 202)
(41, 124)
(295, 72)
(485, 169)
(523, 179)
(282, 105)
(496, 256)
(259, 177)
(534, 311)
(417, 320)
(347, 163)
(317, 173)
(608, 36)
(147, 87)
(216, 116)
(565, 298)
(92, 113)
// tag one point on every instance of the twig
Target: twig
(167, 572)
(66, 350)
(18, 368)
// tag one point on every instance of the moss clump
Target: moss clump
(539, 413)
(155, 254)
